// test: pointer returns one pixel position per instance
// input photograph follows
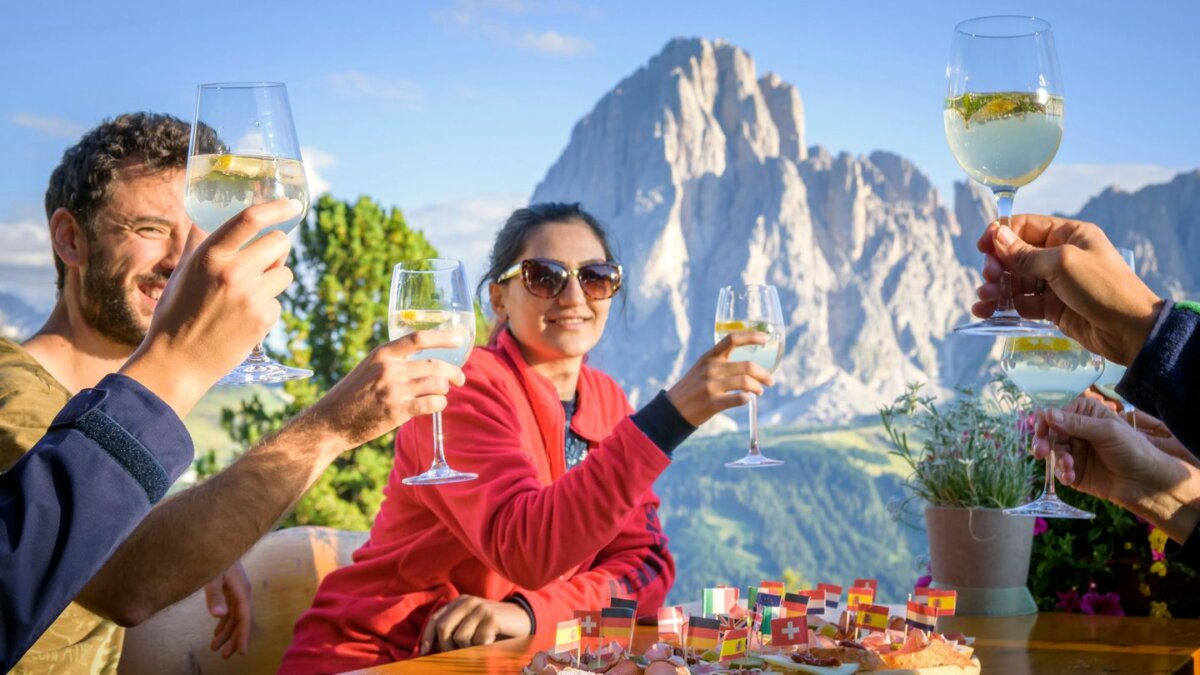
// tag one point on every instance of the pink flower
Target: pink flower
(1027, 424)
(1157, 555)
(1039, 526)
(1108, 604)
(923, 582)
(1068, 601)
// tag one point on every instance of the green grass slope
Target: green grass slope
(204, 421)
(823, 514)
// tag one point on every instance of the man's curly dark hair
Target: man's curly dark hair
(83, 179)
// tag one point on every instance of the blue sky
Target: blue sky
(454, 110)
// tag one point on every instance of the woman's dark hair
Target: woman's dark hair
(520, 226)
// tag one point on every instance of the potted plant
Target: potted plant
(969, 459)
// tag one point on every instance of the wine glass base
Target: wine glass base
(263, 372)
(1004, 326)
(442, 475)
(753, 462)
(1049, 507)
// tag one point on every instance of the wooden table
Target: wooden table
(1059, 644)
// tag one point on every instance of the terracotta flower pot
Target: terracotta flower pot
(984, 555)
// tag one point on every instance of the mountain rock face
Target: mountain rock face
(700, 169)
(1159, 223)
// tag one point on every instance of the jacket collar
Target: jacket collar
(586, 422)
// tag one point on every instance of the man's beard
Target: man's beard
(105, 303)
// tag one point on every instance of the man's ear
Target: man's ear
(68, 238)
(496, 296)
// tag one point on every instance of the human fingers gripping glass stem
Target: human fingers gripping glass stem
(714, 383)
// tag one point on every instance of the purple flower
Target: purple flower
(1108, 604)
(1068, 601)
(1039, 526)
(923, 582)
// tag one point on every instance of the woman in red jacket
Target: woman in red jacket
(562, 516)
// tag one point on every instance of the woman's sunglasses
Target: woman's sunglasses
(547, 278)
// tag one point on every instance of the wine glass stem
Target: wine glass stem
(439, 457)
(257, 355)
(1050, 490)
(754, 424)
(1004, 208)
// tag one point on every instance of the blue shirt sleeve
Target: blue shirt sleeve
(107, 458)
(1164, 378)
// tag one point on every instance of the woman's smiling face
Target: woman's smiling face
(568, 325)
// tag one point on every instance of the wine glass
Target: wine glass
(1052, 370)
(243, 152)
(432, 294)
(1004, 123)
(1113, 372)
(752, 308)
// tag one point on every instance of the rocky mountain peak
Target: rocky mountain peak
(699, 166)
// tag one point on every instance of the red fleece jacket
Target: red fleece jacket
(562, 540)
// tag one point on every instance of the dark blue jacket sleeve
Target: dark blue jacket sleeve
(662, 423)
(1164, 378)
(109, 456)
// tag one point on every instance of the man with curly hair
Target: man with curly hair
(117, 227)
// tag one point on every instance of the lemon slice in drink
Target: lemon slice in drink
(1042, 344)
(731, 326)
(243, 166)
(994, 109)
(425, 319)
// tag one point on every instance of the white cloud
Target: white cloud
(464, 228)
(555, 43)
(1065, 188)
(314, 161)
(480, 17)
(53, 126)
(406, 93)
(26, 262)
(25, 242)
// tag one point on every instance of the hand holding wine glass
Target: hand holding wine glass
(1086, 289)
(1052, 370)
(432, 295)
(714, 383)
(1004, 122)
(1098, 453)
(754, 308)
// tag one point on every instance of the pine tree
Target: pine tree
(334, 315)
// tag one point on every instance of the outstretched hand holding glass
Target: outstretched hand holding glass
(754, 308)
(432, 295)
(1052, 370)
(1004, 122)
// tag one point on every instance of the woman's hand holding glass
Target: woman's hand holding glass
(715, 383)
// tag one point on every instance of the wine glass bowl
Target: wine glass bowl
(1052, 370)
(243, 151)
(752, 308)
(432, 294)
(1003, 119)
